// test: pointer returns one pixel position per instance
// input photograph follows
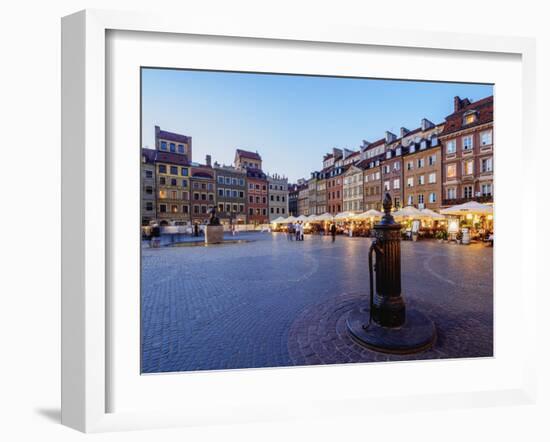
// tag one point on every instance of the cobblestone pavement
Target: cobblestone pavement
(273, 302)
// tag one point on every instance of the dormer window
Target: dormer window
(469, 118)
(412, 148)
(388, 154)
(423, 144)
(398, 151)
(434, 141)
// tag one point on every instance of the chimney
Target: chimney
(208, 160)
(457, 103)
(390, 137)
(426, 124)
(404, 131)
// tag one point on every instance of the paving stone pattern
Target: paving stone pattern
(272, 302)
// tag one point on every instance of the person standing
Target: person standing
(333, 231)
(297, 231)
(289, 231)
(302, 231)
(155, 235)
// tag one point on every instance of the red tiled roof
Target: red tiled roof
(170, 157)
(172, 136)
(149, 154)
(248, 154)
(484, 109)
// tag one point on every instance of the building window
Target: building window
(469, 167)
(241, 194)
(420, 162)
(250, 199)
(451, 146)
(468, 191)
(410, 200)
(241, 182)
(241, 208)
(162, 208)
(174, 208)
(410, 165)
(433, 141)
(486, 189)
(421, 180)
(220, 179)
(220, 192)
(173, 182)
(264, 200)
(196, 209)
(396, 183)
(467, 142)
(431, 178)
(220, 207)
(234, 193)
(228, 193)
(162, 194)
(149, 206)
(431, 197)
(487, 165)
(396, 165)
(432, 159)
(184, 183)
(196, 196)
(251, 211)
(185, 209)
(451, 193)
(486, 138)
(451, 170)
(203, 209)
(386, 185)
(421, 198)
(470, 118)
(228, 208)
(148, 174)
(181, 149)
(410, 182)
(149, 190)
(162, 168)
(163, 145)
(162, 181)
(174, 194)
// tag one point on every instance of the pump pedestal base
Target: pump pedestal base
(415, 335)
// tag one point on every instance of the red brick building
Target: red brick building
(257, 196)
(203, 191)
(257, 204)
(467, 152)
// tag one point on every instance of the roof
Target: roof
(172, 136)
(483, 108)
(252, 172)
(148, 154)
(249, 154)
(170, 157)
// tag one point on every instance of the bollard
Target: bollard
(385, 324)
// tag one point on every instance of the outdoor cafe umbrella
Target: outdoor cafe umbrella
(302, 218)
(279, 220)
(372, 213)
(408, 212)
(324, 217)
(427, 213)
(344, 215)
(471, 207)
(290, 219)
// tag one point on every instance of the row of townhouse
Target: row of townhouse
(432, 166)
(177, 191)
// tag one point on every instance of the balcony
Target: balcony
(479, 199)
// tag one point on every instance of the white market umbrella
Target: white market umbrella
(324, 217)
(290, 219)
(472, 207)
(279, 220)
(344, 215)
(372, 213)
(408, 212)
(302, 218)
(427, 213)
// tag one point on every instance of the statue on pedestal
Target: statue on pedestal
(214, 220)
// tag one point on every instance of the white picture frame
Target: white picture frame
(85, 259)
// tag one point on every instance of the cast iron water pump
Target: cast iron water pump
(386, 325)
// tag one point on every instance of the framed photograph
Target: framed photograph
(259, 223)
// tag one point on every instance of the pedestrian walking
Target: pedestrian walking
(155, 235)
(297, 231)
(333, 231)
(301, 231)
(289, 231)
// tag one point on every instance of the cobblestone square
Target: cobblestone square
(271, 302)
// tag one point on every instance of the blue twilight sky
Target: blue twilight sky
(290, 120)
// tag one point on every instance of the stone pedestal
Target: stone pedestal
(213, 234)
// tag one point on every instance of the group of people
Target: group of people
(296, 230)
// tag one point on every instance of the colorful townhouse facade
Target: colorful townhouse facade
(278, 203)
(231, 194)
(467, 152)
